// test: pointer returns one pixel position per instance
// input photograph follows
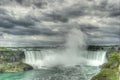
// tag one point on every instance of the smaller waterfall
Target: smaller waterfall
(31, 57)
(95, 58)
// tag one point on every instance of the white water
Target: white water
(95, 58)
(74, 54)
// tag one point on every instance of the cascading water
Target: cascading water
(95, 58)
(74, 54)
(38, 59)
(32, 57)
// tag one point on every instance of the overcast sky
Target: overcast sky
(47, 22)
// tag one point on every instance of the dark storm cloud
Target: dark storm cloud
(44, 43)
(7, 21)
(26, 3)
(11, 23)
(3, 11)
(102, 33)
(111, 8)
(57, 17)
(115, 13)
(74, 11)
(22, 22)
(40, 4)
(88, 27)
(31, 31)
(6, 24)
(19, 1)
(67, 13)
(104, 9)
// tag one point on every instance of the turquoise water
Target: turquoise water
(71, 73)
(12, 76)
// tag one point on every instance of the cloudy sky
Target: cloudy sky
(47, 22)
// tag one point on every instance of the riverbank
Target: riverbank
(109, 70)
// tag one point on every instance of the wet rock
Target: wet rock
(1, 71)
(27, 67)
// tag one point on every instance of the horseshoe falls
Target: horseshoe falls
(47, 58)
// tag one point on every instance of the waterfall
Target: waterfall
(95, 58)
(31, 57)
(74, 54)
(34, 58)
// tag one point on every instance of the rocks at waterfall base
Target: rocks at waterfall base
(11, 61)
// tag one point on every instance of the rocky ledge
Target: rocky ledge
(14, 67)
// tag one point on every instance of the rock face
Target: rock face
(11, 61)
(27, 67)
(11, 56)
